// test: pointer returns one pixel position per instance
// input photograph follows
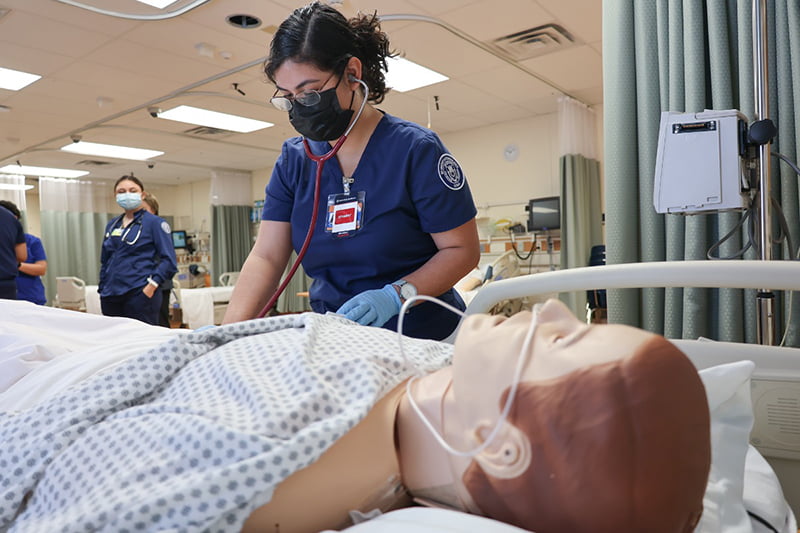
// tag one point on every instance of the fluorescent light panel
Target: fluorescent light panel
(15, 187)
(403, 75)
(111, 150)
(160, 4)
(213, 119)
(42, 171)
(14, 80)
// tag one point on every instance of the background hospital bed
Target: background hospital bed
(776, 380)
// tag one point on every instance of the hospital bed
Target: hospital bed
(52, 365)
(203, 306)
(490, 270)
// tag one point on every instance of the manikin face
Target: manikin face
(597, 408)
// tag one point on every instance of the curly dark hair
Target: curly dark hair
(320, 35)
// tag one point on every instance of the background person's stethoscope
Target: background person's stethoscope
(137, 220)
(320, 160)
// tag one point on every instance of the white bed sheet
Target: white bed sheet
(43, 350)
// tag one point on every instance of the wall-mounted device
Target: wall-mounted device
(544, 213)
(702, 162)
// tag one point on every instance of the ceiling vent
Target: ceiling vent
(534, 42)
(93, 163)
(208, 131)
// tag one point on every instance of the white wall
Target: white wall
(494, 180)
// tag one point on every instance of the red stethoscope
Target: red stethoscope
(320, 160)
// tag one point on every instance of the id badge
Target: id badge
(345, 213)
(116, 232)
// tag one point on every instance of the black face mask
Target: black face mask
(325, 121)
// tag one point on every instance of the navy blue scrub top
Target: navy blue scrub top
(143, 249)
(11, 235)
(29, 287)
(413, 187)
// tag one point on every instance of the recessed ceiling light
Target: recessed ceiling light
(160, 4)
(42, 171)
(111, 150)
(214, 119)
(14, 80)
(246, 22)
(403, 75)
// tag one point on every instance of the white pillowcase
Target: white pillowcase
(728, 391)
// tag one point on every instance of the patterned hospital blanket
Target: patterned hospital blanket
(195, 434)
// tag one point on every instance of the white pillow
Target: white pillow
(728, 391)
(431, 520)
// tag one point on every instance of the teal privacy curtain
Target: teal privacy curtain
(230, 238)
(581, 204)
(231, 228)
(688, 56)
(74, 214)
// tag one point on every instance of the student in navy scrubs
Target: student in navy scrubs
(136, 259)
(30, 271)
(13, 251)
(395, 214)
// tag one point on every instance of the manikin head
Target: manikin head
(608, 429)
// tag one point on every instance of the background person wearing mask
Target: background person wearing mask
(396, 216)
(150, 203)
(29, 278)
(13, 251)
(136, 258)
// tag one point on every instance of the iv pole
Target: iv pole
(765, 299)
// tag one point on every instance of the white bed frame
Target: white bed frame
(776, 380)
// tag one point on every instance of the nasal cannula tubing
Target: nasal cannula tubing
(320, 160)
(509, 399)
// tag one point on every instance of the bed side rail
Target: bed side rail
(777, 275)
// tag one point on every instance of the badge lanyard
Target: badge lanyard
(118, 232)
(345, 211)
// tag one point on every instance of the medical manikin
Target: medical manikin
(542, 422)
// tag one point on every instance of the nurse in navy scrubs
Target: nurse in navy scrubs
(395, 213)
(137, 257)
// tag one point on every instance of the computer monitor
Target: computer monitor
(544, 213)
(179, 239)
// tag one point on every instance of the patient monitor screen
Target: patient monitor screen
(179, 239)
(544, 213)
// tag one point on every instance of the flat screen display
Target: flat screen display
(544, 213)
(179, 239)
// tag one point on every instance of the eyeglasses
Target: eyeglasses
(306, 98)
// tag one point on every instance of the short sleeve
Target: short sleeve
(279, 194)
(439, 187)
(37, 251)
(20, 239)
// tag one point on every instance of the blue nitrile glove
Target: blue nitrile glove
(372, 308)
(205, 328)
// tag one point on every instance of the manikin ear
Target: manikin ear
(509, 454)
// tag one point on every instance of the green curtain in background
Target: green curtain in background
(289, 301)
(73, 242)
(231, 238)
(581, 218)
(688, 56)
